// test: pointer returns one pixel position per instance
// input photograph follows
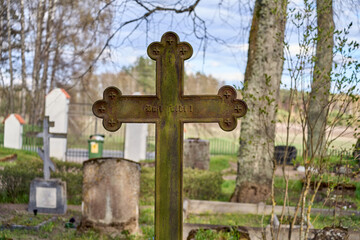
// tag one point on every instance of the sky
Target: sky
(227, 21)
(224, 62)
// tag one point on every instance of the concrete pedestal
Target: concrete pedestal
(111, 188)
(48, 196)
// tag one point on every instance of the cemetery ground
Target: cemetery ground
(217, 184)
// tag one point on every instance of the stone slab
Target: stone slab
(111, 189)
(196, 153)
(48, 196)
(202, 206)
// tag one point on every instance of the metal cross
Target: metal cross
(45, 152)
(169, 109)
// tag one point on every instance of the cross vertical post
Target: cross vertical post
(45, 152)
(169, 109)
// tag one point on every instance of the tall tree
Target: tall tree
(11, 89)
(46, 53)
(318, 107)
(261, 89)
(34, 115)
(23, 62)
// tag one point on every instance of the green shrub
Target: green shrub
(357, 191)
(202, 185)
(73, 185)
(15, 180)
(69, 167)
(197, 184)
(15, 183)
(147, 186)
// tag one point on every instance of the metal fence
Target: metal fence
(29, 140)
(218, 146)
(221, 146)
(1, 135)
(81, 125)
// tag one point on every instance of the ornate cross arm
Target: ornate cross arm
(222, 108)
(115, 109)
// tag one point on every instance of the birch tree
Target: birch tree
(23, 62)
(318, 107)
(46, 54)
(34, 115)
(11, 90)
(261, 89)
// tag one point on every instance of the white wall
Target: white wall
(135, 140)
(57, 108)
(13, 131)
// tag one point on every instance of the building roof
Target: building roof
(17, 116)
(63, 91)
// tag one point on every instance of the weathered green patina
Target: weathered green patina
(169, 109)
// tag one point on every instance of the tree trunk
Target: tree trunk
(37, 63)
(46, 55)
(320, 88)
(11, 89)
(54, 65)
(23, 63)
(261, 89)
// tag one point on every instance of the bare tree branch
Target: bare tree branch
(190, 9)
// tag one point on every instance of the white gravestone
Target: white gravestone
(135, 140)
(13, 131)
(57, 108)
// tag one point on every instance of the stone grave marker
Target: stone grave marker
(110, 195)
(47, 195)
(13, 131)
(57, 108)
(196, 153)
(135, 140)
(169, 109)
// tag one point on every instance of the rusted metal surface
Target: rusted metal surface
(169, 109)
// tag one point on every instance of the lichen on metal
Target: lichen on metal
(169, 109)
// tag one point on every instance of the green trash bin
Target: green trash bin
(95, 144)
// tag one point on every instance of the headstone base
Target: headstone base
(48, 196)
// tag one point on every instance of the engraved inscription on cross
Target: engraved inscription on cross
(169, 109)
(45, 152)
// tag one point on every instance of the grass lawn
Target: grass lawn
(196, 184)
(219, 163)
(26, 219)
